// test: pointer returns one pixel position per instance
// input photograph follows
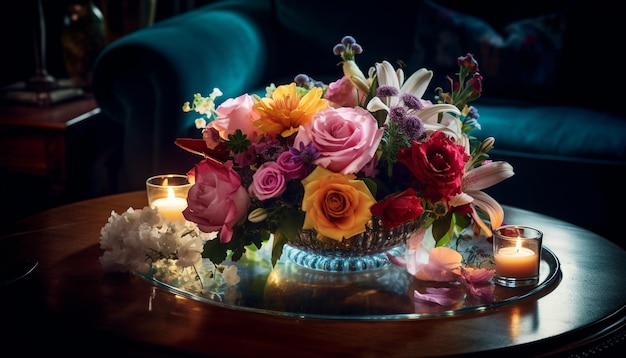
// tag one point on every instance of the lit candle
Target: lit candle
(517, 255)
(171, 207)
(516, 261)
(168, 193)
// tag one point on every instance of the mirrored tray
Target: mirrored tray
(293, 291)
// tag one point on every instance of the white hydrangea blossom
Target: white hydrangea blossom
(231, 278)
(143, 241)
(135, 239)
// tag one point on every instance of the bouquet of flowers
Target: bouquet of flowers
(330, 157)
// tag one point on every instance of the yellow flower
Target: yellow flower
(336, 205)
(286, 109)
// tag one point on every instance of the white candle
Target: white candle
(171, 207)
(519, 262)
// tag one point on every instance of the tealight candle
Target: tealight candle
(517, 255)
(168, 193)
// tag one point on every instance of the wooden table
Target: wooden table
(33, 139)
(58, 154)
(67, 305)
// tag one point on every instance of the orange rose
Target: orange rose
(336, 205)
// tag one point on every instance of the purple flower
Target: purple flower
(302, 80)
(473, 113)
(291, 168)
(468, 62)
(348, 40)
(386, 91)
(305, 154)
(246, 158)
(269, 150)
(413, 127)
(339, 49)
(476, 82)
(411, 101)
(397, 113)
(357, 49)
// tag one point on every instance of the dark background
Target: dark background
(18, 21)
(25, 194)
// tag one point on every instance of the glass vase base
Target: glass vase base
(333, 262)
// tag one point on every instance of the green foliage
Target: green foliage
(394, 139)
(441, 229)
(449, 226)
(289, 223)
(215, 251)
(238, 142)
(371, 185)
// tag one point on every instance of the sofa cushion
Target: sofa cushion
(555, 132)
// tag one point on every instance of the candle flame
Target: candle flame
(165, 182)
(518, 245)
(170, 193)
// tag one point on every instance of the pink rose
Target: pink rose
(236, 113)
(342, 93)
(346, 138)
(217, 200)
(267, 182)
(291, 168)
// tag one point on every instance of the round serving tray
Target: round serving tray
(384, 294)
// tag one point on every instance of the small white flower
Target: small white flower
(230, 275)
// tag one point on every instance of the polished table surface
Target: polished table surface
(69, 306)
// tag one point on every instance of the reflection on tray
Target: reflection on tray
(290, 290)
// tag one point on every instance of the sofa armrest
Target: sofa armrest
(143, 79)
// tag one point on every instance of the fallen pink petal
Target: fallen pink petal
(474, 275)
(442, 296)
(483, 290)
(442, 266)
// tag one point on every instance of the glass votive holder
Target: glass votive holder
(168, 193)
(517, 255)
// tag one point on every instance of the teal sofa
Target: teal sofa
(550, 97)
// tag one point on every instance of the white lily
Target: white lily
(474, 181)
(450, 125)
(415, 85)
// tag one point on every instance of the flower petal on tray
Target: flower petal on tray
(442, 296)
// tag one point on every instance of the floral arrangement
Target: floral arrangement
(331, 157)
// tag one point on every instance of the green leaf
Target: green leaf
(238, 142)
(289, 223)
(215, 251)
(371, 185)
(280, 239)
(442, 229)
(462, 221)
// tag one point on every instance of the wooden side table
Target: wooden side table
(69, 295)
(32, 139)
(33, 144)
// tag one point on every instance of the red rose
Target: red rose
(399, 208)
(437, 164)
